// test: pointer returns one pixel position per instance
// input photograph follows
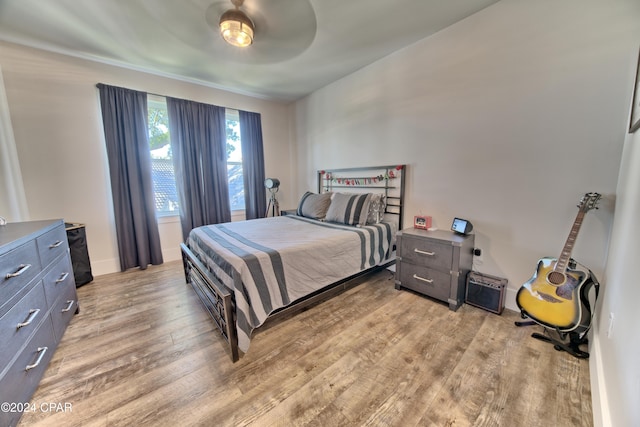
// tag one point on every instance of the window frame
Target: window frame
(160, 102)
(157, 101)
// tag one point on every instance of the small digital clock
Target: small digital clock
(423, 222)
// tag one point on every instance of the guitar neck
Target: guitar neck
(563, 260)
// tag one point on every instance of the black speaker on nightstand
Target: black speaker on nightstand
(486, 291)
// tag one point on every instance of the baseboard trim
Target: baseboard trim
(599, 398)
(107, 266)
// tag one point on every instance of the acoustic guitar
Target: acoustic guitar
(552, 296)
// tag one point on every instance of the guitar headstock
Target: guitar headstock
(589, 201)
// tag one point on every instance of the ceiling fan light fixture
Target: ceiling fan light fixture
(236, 28)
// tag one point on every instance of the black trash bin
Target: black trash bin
(77, 237)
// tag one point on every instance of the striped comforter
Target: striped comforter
(269, 263)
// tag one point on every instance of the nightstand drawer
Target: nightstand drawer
(427, 252)
(427, 281)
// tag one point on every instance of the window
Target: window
(234, 161)
(164, 180)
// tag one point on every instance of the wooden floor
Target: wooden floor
(142, 352)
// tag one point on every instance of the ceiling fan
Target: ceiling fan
(236, 27)
(274, 30)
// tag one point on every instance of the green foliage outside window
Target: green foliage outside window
(166, 197)
(159, 130)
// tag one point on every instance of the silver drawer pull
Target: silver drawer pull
(418, 251)
(415, 276)
(32, 315)
(21, 269)
(55, 245)
(70, 302)
(42, 351)
(62, 278)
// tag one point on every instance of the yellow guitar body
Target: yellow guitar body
(553, 305)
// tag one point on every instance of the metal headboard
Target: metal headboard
(388, 180)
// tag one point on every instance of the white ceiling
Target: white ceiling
(300, 45)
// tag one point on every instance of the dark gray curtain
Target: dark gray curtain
(198, 144)
(252, 165)
(124, 117)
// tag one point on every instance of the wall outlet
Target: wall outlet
(477, 255)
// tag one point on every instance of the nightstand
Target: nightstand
(434, 263)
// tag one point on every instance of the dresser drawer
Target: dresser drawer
(59, 276)
(427, 281)
(426, 252)
(20, 322)
(21, 379)
(52, 244)
(63, 310)
(17, 268)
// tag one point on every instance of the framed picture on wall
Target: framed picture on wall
(634, 123)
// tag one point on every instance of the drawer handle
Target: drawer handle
(42, 351)
(70, 302)
(32, 315)
(21, 269)
(62, 278)
(415, 276)
(55, 245)
(418, 251)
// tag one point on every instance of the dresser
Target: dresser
(434, 263)
(37, 301)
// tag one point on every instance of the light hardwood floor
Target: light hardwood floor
(142, 352)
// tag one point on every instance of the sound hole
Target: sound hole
(555, 278)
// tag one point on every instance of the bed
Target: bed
(246, 272)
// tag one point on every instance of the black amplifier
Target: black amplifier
(486, 291)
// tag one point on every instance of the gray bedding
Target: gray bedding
(271, 262)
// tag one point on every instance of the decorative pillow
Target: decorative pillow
(351, 209)
(377, 205)
(314, 205)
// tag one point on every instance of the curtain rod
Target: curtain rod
(135, 90)
(163, 96)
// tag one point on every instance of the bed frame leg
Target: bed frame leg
(218, 302)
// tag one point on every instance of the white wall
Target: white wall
(616, 364)
(55, 112)
(507, 118)
(13, 204)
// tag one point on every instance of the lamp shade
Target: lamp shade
(236, 28)
(272, 183)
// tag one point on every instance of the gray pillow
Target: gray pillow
(350, 209)
(314, 205)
